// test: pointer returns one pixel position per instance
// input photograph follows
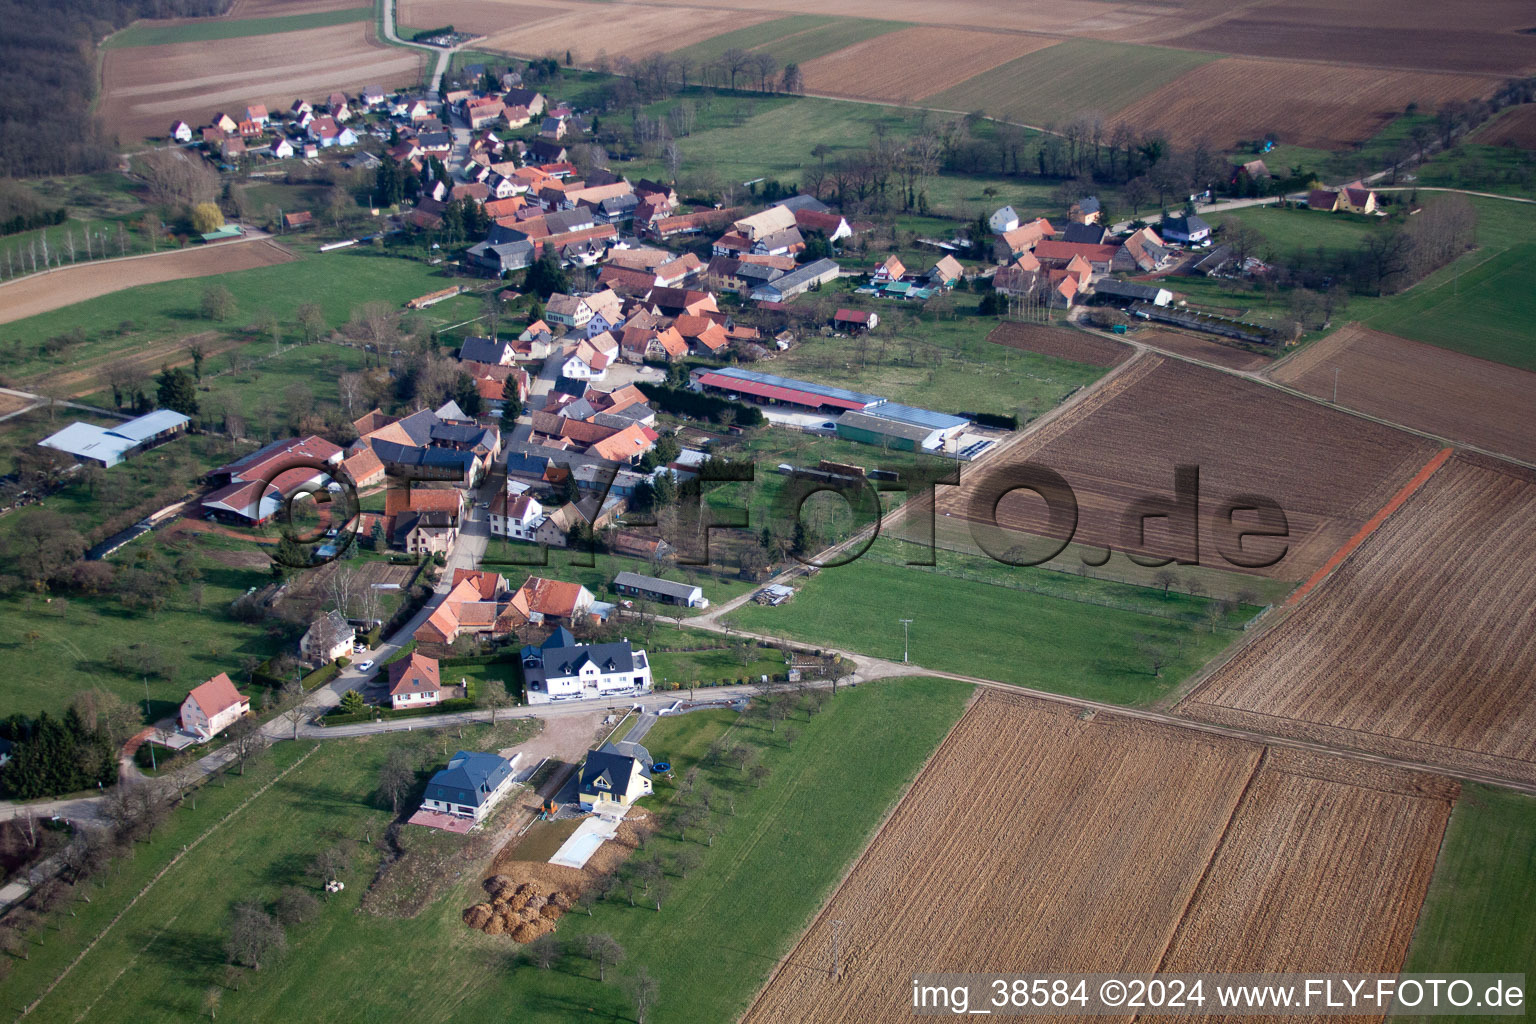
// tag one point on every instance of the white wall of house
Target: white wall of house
(424, 699)
(590, 682)
(195, 721)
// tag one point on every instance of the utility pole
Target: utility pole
(837, 936)
(152, 765)
(905, 625)
(1336, 385)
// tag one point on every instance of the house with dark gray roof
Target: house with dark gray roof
(650, 588)
(1132, 291)
(502, 257)
(488, 350)
(611, 781)
(470, 786)
(561, 669)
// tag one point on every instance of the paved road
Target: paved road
(387, 21)
(41, 400)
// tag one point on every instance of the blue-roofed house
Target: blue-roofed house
(470, 786)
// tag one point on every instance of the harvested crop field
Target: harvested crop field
(1326, 106)
(1484, 37)
(145, 88)
(885, 67)
(996, 830)
(55, 289)
(483, 17)
(1380, 658)
(1105, 77)
(1456, 396)
(1087, 17)
(1062, 343)
(1517, 128)
(1328, 471)
(647, 29)
(1205, 349)
(1278, 898)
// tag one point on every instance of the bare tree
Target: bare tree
(543, 951)
(246, 740)
(396, 778)
(295, 705)
(604, 950)
(254, 935)
(643, 990)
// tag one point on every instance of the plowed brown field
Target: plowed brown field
(1323, 869)
(145, 88)
(1482, 37)
(1328, 471)
(1456, 396)
(645, 28)
(1030, 839)
(1062, 343)
(1325, 106)
(1515, 128)
(1037, 839)
(914, 62)
(485, 17)
(39, 293)
(1205, 349)
(1088, 17)
(1419, 645)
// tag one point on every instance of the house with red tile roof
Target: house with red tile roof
(212, 707)
(415, 682)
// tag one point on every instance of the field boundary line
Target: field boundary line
(1393, 504)
(1205, 874)
(781, 962)
(194, 844)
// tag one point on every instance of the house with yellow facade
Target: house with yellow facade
(611, 782)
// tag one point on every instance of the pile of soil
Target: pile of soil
(522, 910)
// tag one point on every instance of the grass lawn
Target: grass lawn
(937, 361)
(1478, 914)
(338, 282)
(1482, 305)
(1105, 77)
(1291, 232)
(1014, 636)
(770, 867)
(77, 643)
(206, 29)
(742, 136)
(763, 35)
(714, 660)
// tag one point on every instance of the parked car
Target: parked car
(365, 666)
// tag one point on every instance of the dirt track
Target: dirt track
(29, 296)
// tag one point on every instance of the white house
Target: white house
(562, 669)
(213, 707)
(1003, 220)
(282, 149)
(328, 638)
(181, 131)
(591, 358)
(567, 310)
(414, 682)
(1190, 230)
(516, 517)
(470, 786)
